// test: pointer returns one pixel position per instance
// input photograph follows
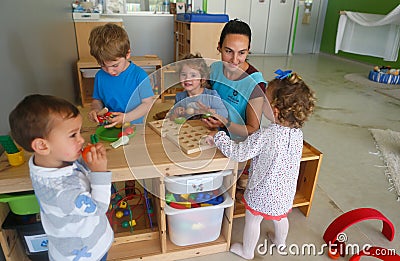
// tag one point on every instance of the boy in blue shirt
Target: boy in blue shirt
(121, 86)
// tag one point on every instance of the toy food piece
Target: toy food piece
(85, 152)
(127, 131)
(125, 125)
(180, 120)
(123, 140)
(190, 111)
(206, 115)
(104, 119)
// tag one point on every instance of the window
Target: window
(129, 6)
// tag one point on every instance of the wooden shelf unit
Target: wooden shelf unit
(144, 243)
(86, 84)
(307, 180)
(86, 60)
(148, 161)
(197, 37)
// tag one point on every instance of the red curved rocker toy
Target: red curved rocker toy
(378, 252)
(347, 219)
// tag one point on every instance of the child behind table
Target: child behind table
(276, 152)
(74, 196)
(197, 99)
(120, 86)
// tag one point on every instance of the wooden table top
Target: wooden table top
(147, 155)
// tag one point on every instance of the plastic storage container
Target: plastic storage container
(89, 73)
(203, 18)
(196, 183)
(31, 233)
(196, 225)
(21, 203)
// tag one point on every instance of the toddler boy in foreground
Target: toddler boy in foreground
(73, 195)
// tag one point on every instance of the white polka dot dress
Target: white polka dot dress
(276, 152)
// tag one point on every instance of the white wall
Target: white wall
(150, 34)
(38, 52)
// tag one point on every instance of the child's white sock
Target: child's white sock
(250, 237)
(281, 231)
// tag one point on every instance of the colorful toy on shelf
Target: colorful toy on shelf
(130, 223)
(349, 218)
(127, 212)
(119, 214)
(193, 200)
(8, 144)
(123, 204)
(14, 155)
(148, 205)
(124, 212)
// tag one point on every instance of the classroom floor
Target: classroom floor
(350, 176)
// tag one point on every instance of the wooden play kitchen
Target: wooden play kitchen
(155, 161)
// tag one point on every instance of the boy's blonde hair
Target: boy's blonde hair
(35, 115)
(196, 62)
(294, 100)
(108, 42)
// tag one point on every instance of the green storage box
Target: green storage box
(21, 203)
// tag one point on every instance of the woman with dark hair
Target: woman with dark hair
(240, 85)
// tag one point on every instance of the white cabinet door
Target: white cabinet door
(308, 32)
(238, 9)
(258, 23)
(279, 26)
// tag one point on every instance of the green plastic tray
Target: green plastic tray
(110, 134)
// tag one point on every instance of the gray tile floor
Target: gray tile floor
(349, 177)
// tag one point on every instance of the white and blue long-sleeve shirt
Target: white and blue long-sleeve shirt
(73, 205)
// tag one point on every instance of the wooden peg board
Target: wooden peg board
(185, 136)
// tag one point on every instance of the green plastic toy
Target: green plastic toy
(8, 144)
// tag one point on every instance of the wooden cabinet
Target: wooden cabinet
(152, 164)
(197, 37)
(82, 32)
(86, 84)
(87, 65)
(306, 183)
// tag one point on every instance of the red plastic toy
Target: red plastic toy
(354, 216)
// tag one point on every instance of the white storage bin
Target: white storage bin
(196, 183)
(196, 225)
(89, 73)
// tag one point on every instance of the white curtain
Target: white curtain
(370, 34)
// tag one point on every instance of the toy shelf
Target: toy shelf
(307, 180)
(146, 243)
(190, 38)
(86, 83)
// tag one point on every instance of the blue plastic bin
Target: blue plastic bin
(202, 18)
